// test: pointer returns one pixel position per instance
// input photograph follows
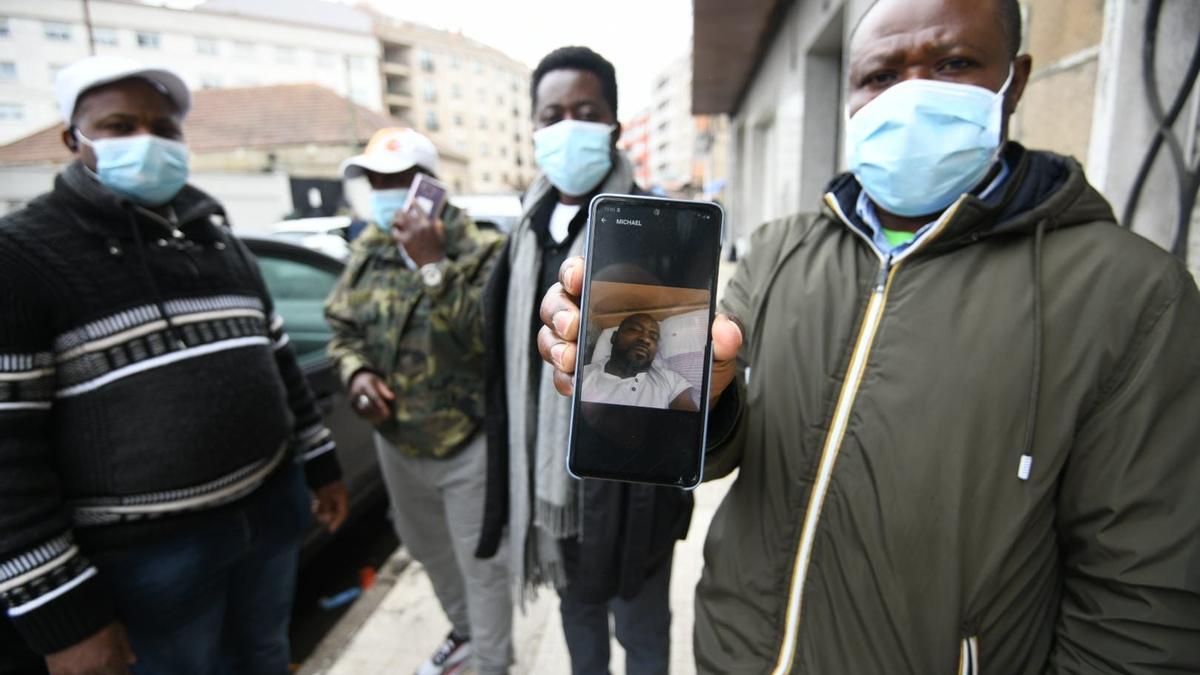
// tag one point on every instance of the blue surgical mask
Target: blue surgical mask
(920, 145)
(574, 155)
(385, 204)
(149, 170)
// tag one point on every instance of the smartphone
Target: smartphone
(427, 194)
(640, 408)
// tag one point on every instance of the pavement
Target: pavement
(393, 628)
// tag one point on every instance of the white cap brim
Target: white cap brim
(80, 77)
(360, 164)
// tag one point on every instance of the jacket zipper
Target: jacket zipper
(872, 318)
(968, 656)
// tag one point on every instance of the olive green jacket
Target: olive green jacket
(980, 456)
(426, 343)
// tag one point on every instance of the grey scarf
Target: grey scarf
(537, 436)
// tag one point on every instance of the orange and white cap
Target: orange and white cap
(393, 150)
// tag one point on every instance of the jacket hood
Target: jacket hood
(1044, 188)
(101, 211)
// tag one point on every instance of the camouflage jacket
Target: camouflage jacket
(426, 343)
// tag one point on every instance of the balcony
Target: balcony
(397, 68)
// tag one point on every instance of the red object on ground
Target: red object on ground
(366, 577)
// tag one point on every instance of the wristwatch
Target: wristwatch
(431, 274)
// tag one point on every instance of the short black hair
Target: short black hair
(578, 58)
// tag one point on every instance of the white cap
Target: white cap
(94, 71)
(393, 150)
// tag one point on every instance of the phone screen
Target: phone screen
(642, 374)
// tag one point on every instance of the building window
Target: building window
(56, 31)
(429, 91)
(503, 151)
(285, 55)
(8, 70)
(425, 59)
(487, 177)
(146, 40)
(206, 46)
(210, 82)
(12, 112)
(325, 59)
(243, 50)
(105, 36)
(431, 120)
(458, 120)
(5, 31)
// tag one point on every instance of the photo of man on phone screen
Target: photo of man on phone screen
(631, 375)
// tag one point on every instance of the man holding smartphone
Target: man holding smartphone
(407, 320)
(968, 440)
(605, 546)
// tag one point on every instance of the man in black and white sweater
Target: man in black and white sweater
(155, 428)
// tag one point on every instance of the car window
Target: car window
(299, 291)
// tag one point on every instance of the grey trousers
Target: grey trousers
(437, 506)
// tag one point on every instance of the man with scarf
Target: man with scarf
(606, 547)
(156, 431)
(968, 439)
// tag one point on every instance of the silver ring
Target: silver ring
(362, 402)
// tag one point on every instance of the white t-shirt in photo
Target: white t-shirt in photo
(654, 388)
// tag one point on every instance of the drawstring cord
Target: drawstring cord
(145, 264)
(1026, 466)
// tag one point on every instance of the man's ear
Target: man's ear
(1022, 67)
(69, 140)
(613, 338)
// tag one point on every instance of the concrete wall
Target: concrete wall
(787, 133)
(1063, 36)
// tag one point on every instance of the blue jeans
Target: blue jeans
(642, 623)
(216, 597)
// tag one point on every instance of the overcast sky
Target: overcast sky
(640, 37)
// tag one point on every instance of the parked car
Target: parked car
(501, 212)
(329, 235)
(299, 280)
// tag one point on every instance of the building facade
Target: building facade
(781, 83)
(685, 153)
(223, 43)
(635, 142)
(463, 94)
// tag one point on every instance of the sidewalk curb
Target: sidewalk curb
(339, 638)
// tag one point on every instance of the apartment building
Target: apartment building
(221, 43)
(464, 95)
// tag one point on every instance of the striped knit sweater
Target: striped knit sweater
(115, 420)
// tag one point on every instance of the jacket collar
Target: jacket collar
(100, 211)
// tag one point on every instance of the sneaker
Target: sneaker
(449, 655)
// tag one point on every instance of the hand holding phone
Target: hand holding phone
(418, 227)
(642, 353)
(557, 339)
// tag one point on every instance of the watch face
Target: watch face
(431, 275)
